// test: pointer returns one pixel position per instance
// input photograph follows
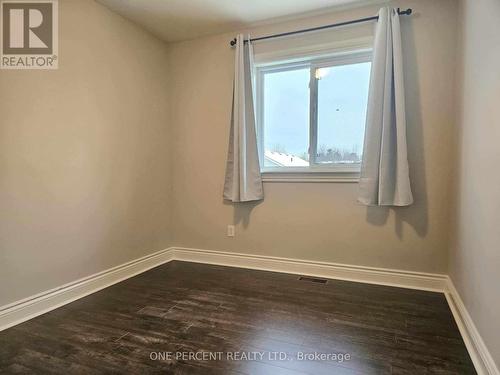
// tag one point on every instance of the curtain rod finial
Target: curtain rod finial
(233, 42)
(405, 12)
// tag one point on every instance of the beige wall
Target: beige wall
(84, 155)
(318, 221)
(475, 250)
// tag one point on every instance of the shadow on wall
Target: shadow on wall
(415, 215)
(242, 211)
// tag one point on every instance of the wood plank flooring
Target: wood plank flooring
(180, 308)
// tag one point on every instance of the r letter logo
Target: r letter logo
(29, 34)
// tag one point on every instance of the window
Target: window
(311, 115)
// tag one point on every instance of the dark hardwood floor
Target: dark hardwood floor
(131, 327)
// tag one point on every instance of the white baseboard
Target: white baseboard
(481, 357)
(41, 303)
(31, 307)
(381, 276)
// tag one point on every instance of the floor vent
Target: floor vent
(313, 279)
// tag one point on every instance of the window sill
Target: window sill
(349, 177)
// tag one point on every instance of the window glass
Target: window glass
(312, 115)
(342, 102)
(286, 118)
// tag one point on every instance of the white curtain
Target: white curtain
(243, 181)
(384, 179)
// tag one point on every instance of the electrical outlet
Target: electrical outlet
(230, 230)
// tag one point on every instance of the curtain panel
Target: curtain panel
(243, 180)
(384, 179)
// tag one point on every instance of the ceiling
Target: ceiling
(176, 20)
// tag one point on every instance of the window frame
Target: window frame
(314, 172)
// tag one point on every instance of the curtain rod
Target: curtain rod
(406, 12)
